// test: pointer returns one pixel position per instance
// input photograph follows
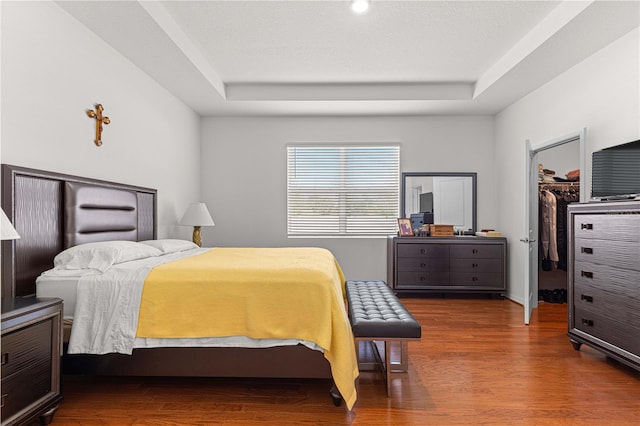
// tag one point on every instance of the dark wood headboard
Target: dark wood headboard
(43, 207)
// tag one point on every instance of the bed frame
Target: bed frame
(53, 211)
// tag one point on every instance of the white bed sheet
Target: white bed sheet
(64, 285)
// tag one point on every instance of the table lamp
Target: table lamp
(197, 215)
(7, 231)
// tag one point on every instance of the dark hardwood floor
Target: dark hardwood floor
(477, 364)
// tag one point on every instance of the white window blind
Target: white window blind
(342, 190)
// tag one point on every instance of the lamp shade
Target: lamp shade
(197, 214)
(7, 231)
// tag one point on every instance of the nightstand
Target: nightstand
(31, 352)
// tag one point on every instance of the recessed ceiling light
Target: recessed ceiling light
(359, 6)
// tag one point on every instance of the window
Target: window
(342, 190)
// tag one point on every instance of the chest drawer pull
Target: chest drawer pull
(5, 358)
(586, 298)
(587, 322)
(586, 226)
(586, 274)
(587, 250)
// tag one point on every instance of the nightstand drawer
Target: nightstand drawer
(24, 348)
(23, 388)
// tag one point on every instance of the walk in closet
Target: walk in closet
(558, 186)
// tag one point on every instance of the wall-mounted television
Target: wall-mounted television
(615, 172)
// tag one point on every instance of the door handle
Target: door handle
(526, 240)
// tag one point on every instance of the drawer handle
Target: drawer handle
(474, 251)
(587, 250)
(587, 322)
(586, 274)
(5, 358)
(474, 265)
(586, 298)
(422, 278)
(586, 226)
(474, 279)
(423, 251)
(422, 265)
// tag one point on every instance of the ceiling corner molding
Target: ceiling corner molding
(348, 91)
(166, 22)
(561, 16)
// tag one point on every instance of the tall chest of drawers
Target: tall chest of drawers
(447, 264)
(604, 278)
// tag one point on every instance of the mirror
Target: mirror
(450, 197)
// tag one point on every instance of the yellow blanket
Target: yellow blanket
(264, 293)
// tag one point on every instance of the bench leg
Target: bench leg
(386, 365)
(387, 362)
(401, 365)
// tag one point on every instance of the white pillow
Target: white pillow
(102, 255)
(168, 245)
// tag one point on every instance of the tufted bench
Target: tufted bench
(376, 314)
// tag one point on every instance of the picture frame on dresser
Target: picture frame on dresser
(404, 227)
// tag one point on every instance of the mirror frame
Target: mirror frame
(474, 190)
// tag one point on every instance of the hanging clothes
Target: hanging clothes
(554, 223)
(548, 230)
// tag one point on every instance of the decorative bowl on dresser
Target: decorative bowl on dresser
(31, 351)
(460, 264)
(604, 278)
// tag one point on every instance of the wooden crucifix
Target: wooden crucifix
(97, 114)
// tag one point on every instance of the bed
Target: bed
(56, 213)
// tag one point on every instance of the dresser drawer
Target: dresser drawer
(476, 251)
(24, 348)
(621, 285)
(470, 279)
(615, 227)
(476, 265)
(617, 254)
(422, 279)
(609, 325)
(611, 301)
(439, 251)
(425, 264)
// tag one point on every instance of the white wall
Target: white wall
(244, 174)
(602, 94)
(53, 70)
